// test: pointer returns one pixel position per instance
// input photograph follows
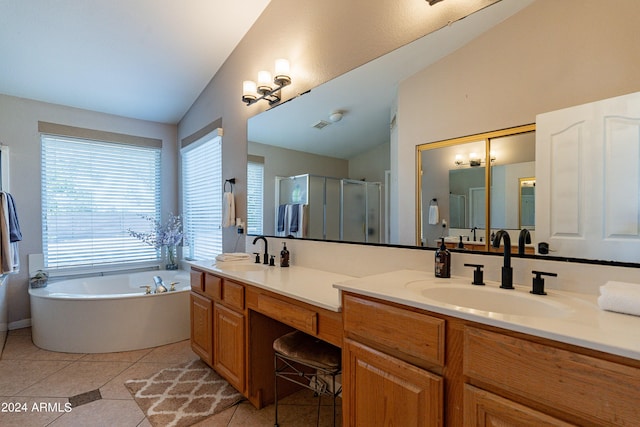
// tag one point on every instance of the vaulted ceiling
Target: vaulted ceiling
(144, 59)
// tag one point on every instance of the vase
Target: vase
(171, 258)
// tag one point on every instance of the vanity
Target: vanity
(238, 310)
(422, 351)
(412, 357)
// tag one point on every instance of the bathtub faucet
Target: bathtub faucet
(160, 288)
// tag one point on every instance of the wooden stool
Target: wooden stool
(321, 358)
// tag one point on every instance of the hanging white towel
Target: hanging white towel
(620, 297)
(228, 210)
(434, 214)
(8, 251)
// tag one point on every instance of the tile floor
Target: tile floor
(30, 375)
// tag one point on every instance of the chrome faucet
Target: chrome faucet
(160, 288)
(507, 271)
(266, 248)
(524, 237)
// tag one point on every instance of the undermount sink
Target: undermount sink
(229, 266)
(500, 301)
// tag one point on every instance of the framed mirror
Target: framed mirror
(463, 181)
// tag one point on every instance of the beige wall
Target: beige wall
(551, 55)
(322, 40)
(19, 130)
(283, 162)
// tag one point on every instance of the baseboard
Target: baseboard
(24, 323)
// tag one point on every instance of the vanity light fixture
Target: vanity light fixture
(473, 160)
(252, 92)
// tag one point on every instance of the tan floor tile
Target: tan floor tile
(21, 331)
(76, 378)
(39, 412)
(20, 347)
(121, 356)
(176, 353)
(115, 388)
(17, 375)
(105, 412)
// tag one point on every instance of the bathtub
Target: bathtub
(110, 313)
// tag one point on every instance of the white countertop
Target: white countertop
(581, 321)
(304, 284)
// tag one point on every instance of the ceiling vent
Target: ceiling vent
(320, 124)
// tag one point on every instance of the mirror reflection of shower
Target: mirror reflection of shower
(321, 207)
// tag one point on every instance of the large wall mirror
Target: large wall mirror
(463, 181)
(326, 154)
(324, 158)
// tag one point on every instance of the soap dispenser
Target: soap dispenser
(284, 256)
(443, 261)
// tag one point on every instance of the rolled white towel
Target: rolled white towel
(620, 297)
(233, 256)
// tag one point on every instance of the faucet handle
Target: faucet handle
(257, 254)
(147, 289)
(538, 282)
(477, 274)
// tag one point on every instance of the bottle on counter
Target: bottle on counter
(284, 256)
(443, 261)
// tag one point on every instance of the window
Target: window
(92, 193)
(255, 191)
(202, 197)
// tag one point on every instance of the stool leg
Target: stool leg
(275, 388)
(333, 390)
(318, 418)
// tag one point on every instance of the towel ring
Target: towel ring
(231, 181)
(433, 202)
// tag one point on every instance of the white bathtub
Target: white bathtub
(110, 313)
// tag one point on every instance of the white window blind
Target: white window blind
(92, 193)
(255, 195)
(202, 197)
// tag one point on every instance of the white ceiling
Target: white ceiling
(144, 59)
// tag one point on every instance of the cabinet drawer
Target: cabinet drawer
(197, 280)
(596, 390)
(415, 334)
(486, 409)
(300, 318)
(212, 286)
(233, 294)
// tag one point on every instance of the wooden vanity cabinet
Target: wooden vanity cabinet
(229, 335)
(443, 370)
(201, 312)
(384, 355)
(218, 320)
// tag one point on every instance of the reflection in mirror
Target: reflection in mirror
(461, 202)
(527, 205)
(454, 173)
(514, 158)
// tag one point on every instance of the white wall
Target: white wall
(551, 55)
(19, 130)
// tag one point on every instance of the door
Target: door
(229, 345)
(202, 327)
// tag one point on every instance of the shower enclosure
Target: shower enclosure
(333, 208)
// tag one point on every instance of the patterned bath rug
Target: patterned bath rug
(183, 395)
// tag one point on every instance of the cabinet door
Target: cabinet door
(384, 391)
(229, 345)
(202, 327)
(489, 410)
